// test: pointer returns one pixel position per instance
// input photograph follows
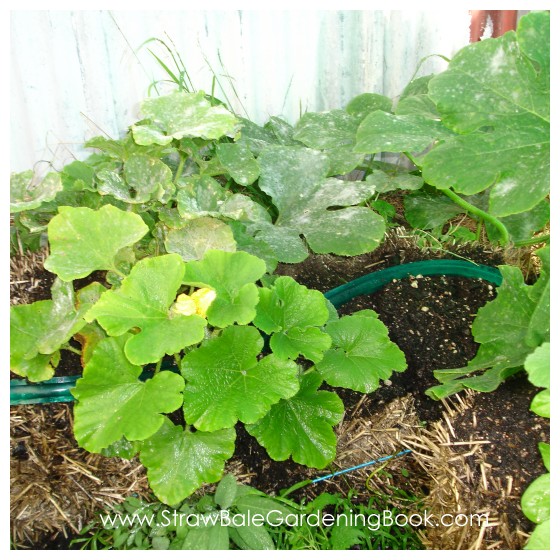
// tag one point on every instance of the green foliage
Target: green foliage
(301, 426)
(215, 522)
(481, 126)
(26, 193)
(361, 354)
(292, 314)
(81, 242)
(226, 382)
(535, 504)
(296, 180)
(508, 328)
(113, 402)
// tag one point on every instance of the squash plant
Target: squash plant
(233, 335)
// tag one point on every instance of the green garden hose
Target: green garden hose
(57, 389)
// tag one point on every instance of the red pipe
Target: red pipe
(502, 21)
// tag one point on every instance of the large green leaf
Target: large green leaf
(319, 208)
(384, 132)
(301, 426)
(180, 461)
(38, 330)
(26, 193)
(507, 331)
(233, 277)
(362, 353)
(291, 313)
(227, 383)
(83, 240)
(334, 132)
(239, 162)
(146, 175)
(198, 236)
(113, 403)
(179, 115)
(143, 302)
(497, 100)
(207, 537)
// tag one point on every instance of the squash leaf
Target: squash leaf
(143, 301)
(301, 426)
(179, 115)
(496, 95)
(233, 277)
(39, 329)
(180, 461)
(226, 383)
(361, 355)
(113, 403)
(292, 313)
(310, 204)
(508, 329)
(198, 236)
(81, 241)
(26, 193)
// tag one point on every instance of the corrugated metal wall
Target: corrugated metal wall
(79, 74)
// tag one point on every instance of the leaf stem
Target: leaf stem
(180, 167)
(71, 349)
(158, 366)
(177, 357)
(479, 213)
(533, 241)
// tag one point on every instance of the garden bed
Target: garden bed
(475, 453)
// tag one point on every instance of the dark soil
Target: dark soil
(503, 418)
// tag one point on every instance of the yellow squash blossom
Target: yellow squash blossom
(195, 304)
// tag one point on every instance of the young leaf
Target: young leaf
(540, 537)
(113, 403)
(301, 426)
(252, 537)
(198, 236)
(226, 383)
(544, 449)
(361, 355)
(226, 491)
(27, 194)
(180, 461)
(541, 404)
(535, 501)
(81, 242)
(537, 366)
(293, 312)
(295, 179)
(143, 301)
(233, 277)
(180, 115)
(210, 537)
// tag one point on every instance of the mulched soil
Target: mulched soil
(430, 320)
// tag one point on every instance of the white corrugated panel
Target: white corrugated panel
(79, 74)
